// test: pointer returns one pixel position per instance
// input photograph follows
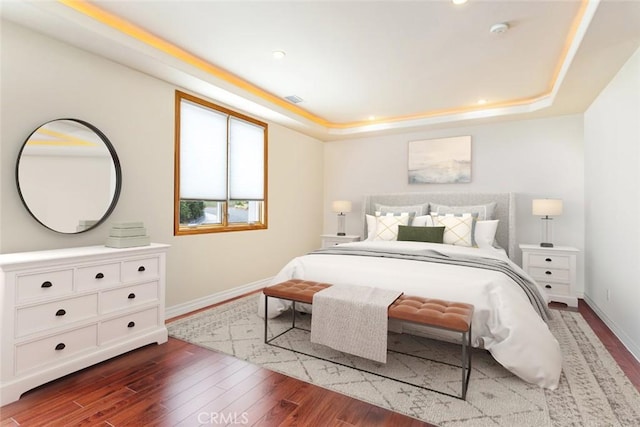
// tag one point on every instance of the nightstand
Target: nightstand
(554, 269)
(329, 240)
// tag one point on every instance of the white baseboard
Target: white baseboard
(633, 348)
(197, 304)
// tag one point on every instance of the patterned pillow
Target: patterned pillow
(387, 226)
(458, 230)
(485, 211)
(422, 209)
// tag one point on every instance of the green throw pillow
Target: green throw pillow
(420, 234)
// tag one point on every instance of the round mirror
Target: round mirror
(68, 176)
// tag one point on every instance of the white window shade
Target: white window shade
(203, 153)
(246, 161)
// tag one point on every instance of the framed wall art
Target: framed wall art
(440, 161)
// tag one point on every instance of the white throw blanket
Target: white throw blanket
(353, 319)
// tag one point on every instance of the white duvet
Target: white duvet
(504, 321)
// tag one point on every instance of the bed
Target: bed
(510, 308)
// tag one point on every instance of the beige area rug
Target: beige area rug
(593, 390)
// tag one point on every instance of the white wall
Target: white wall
(43, 79)
(612, 192)
(532, 158)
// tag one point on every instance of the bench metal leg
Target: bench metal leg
(466, 361)
(266, 325)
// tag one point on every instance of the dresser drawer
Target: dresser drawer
(549, 274)
(131, 324)
(549, 261)
(95, 276)
(52, 349)
(44, 285)
(141, 269)
(129, 296)
(51, 315)
(556, 288)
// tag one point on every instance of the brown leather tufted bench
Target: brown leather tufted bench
(295, 290)
(451, 316)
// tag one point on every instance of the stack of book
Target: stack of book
(127, 235)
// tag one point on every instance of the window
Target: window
(220, 169)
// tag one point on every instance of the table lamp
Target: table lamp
(546, 208)
(341, 207)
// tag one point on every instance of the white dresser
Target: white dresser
(64, 310)
(554, 269)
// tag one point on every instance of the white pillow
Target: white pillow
(458, 230)
(422, 221)
(371, 227)
(486, 233)
(387, 226)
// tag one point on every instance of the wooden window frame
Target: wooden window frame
(179, 230)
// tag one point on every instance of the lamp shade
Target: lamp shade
(546, 207)
(341, 206)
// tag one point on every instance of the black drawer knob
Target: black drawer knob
(61, 312)
(131, 324)
(60, 346)
(141, 268)
(99, 276)
(46, 284)
(548, 272)
(547, 286)
(548, 260)
(131, 295)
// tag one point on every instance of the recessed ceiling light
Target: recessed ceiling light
(499, 28)
(279, 54)
(372, 117)
(482, 101)
(458, 1)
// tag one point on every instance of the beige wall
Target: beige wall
(43, 79)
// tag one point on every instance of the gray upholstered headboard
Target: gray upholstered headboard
(505, 209)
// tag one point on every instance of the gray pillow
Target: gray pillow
(484, 211)
(417, 210)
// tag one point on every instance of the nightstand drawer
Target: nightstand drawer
(550, 261)
(549, 274)
(51, 315)
(329, 240)
(554, 269)
(556, 288)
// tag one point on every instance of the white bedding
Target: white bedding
(504, 321)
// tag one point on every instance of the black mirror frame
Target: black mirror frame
(116, 164)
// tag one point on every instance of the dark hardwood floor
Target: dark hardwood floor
(180, 384)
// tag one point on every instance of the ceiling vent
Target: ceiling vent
(295, 99)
